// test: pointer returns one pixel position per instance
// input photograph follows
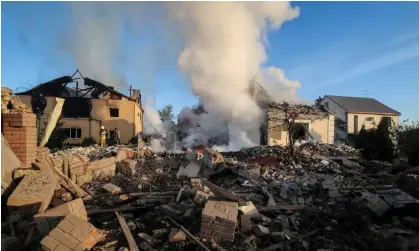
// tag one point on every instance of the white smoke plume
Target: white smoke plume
(223, 51)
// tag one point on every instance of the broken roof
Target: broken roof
(362, 105)
(310, 112)
(58, 88)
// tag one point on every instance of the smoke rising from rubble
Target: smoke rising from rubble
(223, 51)
(224, 48)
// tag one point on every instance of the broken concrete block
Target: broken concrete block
(146, 247)
(49, 219)
(148, 238)
(349, 163)
(111, 188)
(190, 155)
(260, 230)
(72, 233)
(219, 220)
(20, 173)
(411, 222)
(176, 234)
(170, 211)
(220, 212)
(371, 203)
(33, 194)
(278, 236)
(245, 223)
(189, 213)
(191, 170)
(249, 209)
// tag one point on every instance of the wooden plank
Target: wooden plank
(222, 192)
(127, 232)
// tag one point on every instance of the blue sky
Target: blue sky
(339, 48)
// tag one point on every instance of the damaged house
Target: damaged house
(87, 106)
(351, 113)
(311, 123)
(314, 122)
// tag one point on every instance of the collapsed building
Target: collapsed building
(311, 123)
(315, 122)
(88, 106)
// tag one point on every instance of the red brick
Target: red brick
(16, 124)
(65, 226)
(64, 238)
(53, 216)
(11, 137)
(49, 242)
(209, 238)
(80, 247)
(61, 247)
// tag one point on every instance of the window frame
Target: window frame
(114, 109)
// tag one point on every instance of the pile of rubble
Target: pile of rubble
(12, 104)
(259, 198)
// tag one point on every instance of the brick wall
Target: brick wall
(72, 233)
(20, 131)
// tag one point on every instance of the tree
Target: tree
(405, 137)
(383, 143)
(365, 141)
(376, 143)
(288, 121)
(166, 113)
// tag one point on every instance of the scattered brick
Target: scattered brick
(177, 235)
(219, 220)
(245, 223)
(72, 233)
(260, 230)
(111, 188)
(49, 219)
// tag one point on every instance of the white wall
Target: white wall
(338, 111)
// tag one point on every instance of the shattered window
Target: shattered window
(114, 112)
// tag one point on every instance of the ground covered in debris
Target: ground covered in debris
(325, 198)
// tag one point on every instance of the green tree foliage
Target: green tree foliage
(376, 143)
(406, 139)
(88, 142)
(57, 138)
(166, 113)
(383, 143)
(365, 141)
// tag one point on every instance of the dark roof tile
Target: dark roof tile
(362, 105)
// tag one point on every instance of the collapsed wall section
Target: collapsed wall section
(19, 129)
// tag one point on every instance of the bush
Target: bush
(134, 140)
(406, 139)
(88, 142)
(57, 138)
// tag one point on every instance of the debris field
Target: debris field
(261, 198)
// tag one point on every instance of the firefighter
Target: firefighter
(117, 136)
(103, 134)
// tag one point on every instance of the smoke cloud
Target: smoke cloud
(220, 48)
(224, 50)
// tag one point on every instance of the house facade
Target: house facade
(351, 113)
(86, 109)
(313, 122)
